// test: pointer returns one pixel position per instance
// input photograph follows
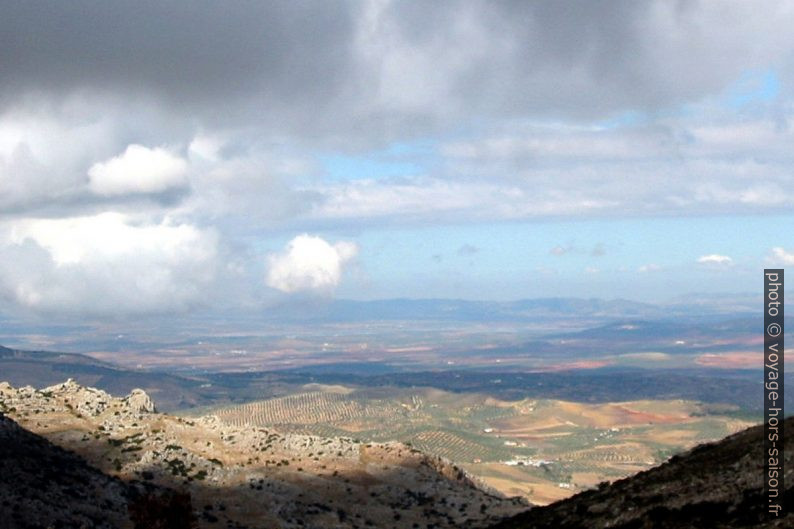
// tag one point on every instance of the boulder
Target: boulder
(139, 402)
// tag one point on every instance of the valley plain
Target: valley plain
(540, 449)
(534, 401)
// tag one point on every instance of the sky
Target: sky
(166, 157)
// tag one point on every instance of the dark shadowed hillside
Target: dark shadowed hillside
(715, 485)
(42, 485)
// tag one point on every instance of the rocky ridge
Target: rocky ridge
(256, 477)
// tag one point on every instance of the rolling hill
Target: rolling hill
(717, 485)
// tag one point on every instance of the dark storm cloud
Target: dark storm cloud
(378, 69)
(195, 53)
(537, 56)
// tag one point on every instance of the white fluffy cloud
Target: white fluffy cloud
(309, 263)
(714, 258)
(106, 264)
(648, 268)
(780, 255)
(138, 170)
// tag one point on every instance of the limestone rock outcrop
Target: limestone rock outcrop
(139, 402)
(246, 476)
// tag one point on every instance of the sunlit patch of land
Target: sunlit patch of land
(541, 449)
(732, 360)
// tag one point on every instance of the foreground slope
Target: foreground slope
(717, 485)
(243, 477)
(255, 477)
(43, 485)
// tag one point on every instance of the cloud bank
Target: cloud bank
(106, 264)
(141, 141)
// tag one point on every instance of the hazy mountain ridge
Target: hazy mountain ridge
(45, 368)
(7, 353)
(532, 309)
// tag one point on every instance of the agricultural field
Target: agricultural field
(541, 449)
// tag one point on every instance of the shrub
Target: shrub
(165, 510)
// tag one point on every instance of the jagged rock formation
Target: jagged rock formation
(256, 477)
(717, 485)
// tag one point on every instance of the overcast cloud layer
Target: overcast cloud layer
(208, 135)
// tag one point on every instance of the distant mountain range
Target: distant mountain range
(520, 310)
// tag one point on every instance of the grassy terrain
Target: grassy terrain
(540, 448)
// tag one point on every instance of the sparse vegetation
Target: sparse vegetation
(495, 438)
